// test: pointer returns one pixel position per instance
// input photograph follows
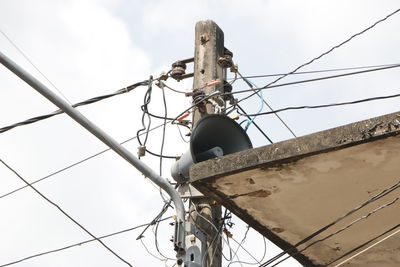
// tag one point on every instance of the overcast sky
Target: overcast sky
(89, 48)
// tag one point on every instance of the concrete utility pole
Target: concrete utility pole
(209, 47)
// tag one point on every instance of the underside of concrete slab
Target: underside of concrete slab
(290, 190)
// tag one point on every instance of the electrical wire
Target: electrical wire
(163, 133)
(146, 127)
(65, 214)
(298, 82)
(318, 71)
(292, 249)
(255, 124)
(373, 245)
(181, 135)
(241, 243)
(328, 51)
(326, 105)
(259, 94)
(33, 65)
(309, 80)
(76, 244)
(172, 89)
(263, 101)
(341, 229)
(71, 165)
(83, 103)
(218, 233)
(144, 108)
(365, 243)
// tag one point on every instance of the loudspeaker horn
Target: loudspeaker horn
(214, 135)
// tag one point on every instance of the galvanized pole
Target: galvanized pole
(105, 138)
(209, 47)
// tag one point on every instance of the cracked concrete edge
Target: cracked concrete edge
(294, 149)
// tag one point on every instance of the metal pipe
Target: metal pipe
(96, 131)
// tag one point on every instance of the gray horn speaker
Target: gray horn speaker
(214, 136)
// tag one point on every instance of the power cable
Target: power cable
(365, 243)
(163, 133)
(341, 229)
(250, 84)
(318, 71)
(255, 124)
(144, 108)
(328, 51)
(309, 80)
(292, 249)
(76, 244)
(71, 165)
(371, 246)
(66, 214)
(33, 65)
(83, 103)
(326, 105)
(146, 127)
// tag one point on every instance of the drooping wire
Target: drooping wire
(327, 52)
(72, 165)
(65, 213)
(83, 103)
(365, 243)
(292, 249)
(163, 133)
(326, 105)
(240, 244)
(76, 244)
(144, 108)
(146, 127)
(342, 229)
(33, 65)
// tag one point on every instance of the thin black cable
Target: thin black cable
(70, 166)
(326, 105)
(255, 124)
(144, 108)
(341, 229)
(83, 103)
(163, 133)
(318, 71)
(364, 244)
(309, 80)
(65, 213)
(159, 215)
(156, 241)
(372, 199)
(146, 127)
(330, 50)
(77, 244)
(266, 103)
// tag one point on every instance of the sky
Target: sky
(88, 48)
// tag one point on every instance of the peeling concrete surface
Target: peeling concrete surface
(289, 190)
